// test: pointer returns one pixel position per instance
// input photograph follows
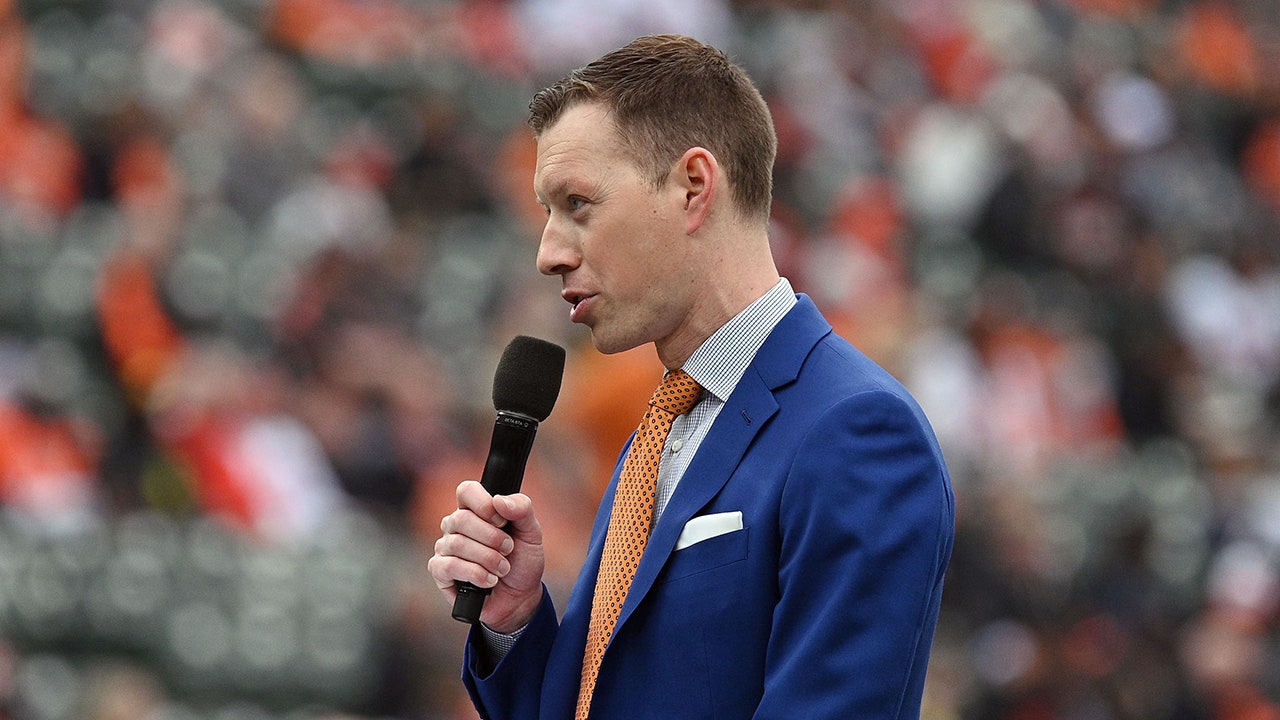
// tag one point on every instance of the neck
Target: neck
(735, 278)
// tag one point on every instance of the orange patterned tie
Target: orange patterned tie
(631, 521)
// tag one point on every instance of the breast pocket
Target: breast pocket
(707, 555)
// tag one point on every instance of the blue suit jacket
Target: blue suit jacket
(822, 606)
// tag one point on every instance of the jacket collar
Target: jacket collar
(745, 413)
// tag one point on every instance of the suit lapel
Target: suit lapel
(740, 420)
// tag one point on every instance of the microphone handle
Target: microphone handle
(503, 471)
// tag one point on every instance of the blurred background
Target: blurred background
(258, 259)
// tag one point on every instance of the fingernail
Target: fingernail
(508, 545)
(493, 580)
(504, 567)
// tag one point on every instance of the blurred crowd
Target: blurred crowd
(258, 259)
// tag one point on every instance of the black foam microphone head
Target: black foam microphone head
(527, 380)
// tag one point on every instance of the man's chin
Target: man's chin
(607, 345)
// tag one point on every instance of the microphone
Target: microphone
(525, 387)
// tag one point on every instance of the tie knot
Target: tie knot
(677, 394)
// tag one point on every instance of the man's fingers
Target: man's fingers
(493, 561)
(473, 546)
(468, 524)
(448, 571)
(492, 542)
(513, 507)
(472, 496)
(517, 510)
(512, 513)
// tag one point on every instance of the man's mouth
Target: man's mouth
(579, 302)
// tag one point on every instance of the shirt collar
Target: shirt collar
(719, 363)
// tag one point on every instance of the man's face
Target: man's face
(617, 244)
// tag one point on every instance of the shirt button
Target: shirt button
(676, 445)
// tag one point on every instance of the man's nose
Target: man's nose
(556, 253)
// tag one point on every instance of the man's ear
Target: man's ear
(698, 175)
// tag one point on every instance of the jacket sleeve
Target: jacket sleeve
(867, 522)
(512, 690)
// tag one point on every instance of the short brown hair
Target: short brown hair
(668, 93)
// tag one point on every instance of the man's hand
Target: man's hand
(492, 542)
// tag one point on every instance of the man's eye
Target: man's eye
(575, 203)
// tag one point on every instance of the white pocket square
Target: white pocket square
(706, 527)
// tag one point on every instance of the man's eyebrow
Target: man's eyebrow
(559, 189)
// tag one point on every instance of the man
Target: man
(801, 515)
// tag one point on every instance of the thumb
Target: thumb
(517, 510)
